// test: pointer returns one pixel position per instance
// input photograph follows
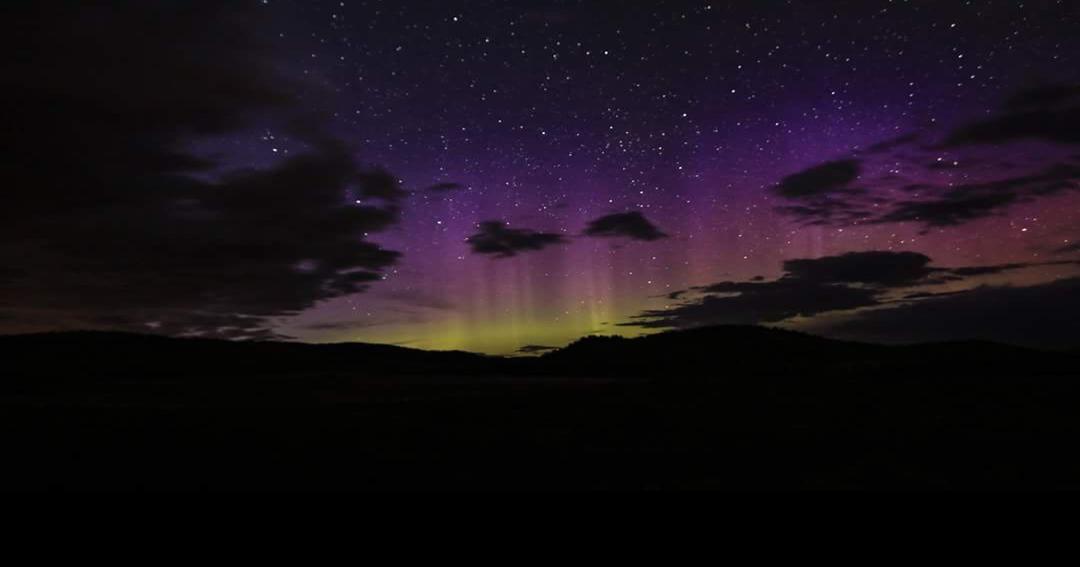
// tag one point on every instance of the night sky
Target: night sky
(489, 176)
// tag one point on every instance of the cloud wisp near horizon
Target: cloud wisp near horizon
(886, 294)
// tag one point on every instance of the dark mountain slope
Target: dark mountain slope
(101, 355)
(743, 351)
(714, 352)
(728, 407)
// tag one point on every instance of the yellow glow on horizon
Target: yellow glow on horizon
(502, 334)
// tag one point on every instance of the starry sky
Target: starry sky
(527, 173)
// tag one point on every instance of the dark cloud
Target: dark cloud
(874, 267)
(379, 184)
(630, 225)
(110, 222)
(339, 325)
(446, 187)
(1039, 316)
(823, 195)
(928, 294)
(893, 143)
(811, 287)
(497, 239)
(950, 210)
(535, 349)
(946, 206)
(1047, 113)
(985, 270)
(967, 202)
(826, 212)
(807, 288)
(743, 303)
(822, 179)
(1048, 96)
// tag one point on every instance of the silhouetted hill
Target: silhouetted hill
(709, 350)
(723, 407)
(106, 355)
(705, 353)
(745, 350)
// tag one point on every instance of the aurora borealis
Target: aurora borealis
(526, 173)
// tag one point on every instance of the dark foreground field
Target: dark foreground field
(728, 408)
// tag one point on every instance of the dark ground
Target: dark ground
(771, 411)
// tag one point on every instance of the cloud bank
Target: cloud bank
(111, 222)
(848, 192)
(887, 296)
